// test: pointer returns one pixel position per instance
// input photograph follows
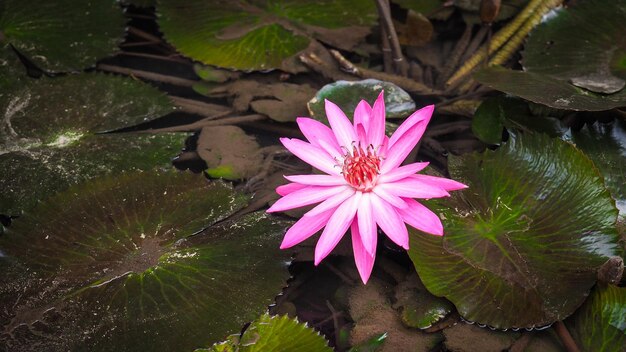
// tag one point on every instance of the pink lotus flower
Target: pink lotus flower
(365, 185)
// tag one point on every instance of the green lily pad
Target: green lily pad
(605, 144)
(523, 243)
(562, 73)
(117, 263)
(373, 344)
(494, 114)
(600, 324)
(62, 35)
(274, 333)
(47, 140)
(348, 94)
(261, 35)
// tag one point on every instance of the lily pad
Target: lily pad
(261, 35)
(274, 333)
(600, 324)
(47, 133)
(348, 94)
(523, 243)
(562, 73)
(62, 35)
(117, 263)
(494, 114)
(605, 144)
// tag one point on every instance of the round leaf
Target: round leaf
(274, 333)
(562, 73)
(117, 264)
(47, 135)
(62, 35)
(523, 243)
(348, 94)
(600, 324)
(260, 35)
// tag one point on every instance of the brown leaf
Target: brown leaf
(229, 152)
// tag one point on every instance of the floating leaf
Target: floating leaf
(494, 114)
(605, 144)
(600, 324)
(370, 345)
(229, 152)
(261, 35)
(112, 265)
(47, 133)
(62, 35)
(556, 65)
(274, 333)
(348, 94)
(523, 243)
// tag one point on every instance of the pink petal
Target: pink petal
(284, 190)
(411, 188)
(376, 130)
(390, 222)
(363, 259)
(367, 224)
(402, 172)
(361, 134)
(402, 147)
(341, 126)
(305, 196)
(336, 227)
(319, 135)
(422, 115)
(317, 180)
(389, 197)
(304, 228)
(441, 182)
(332, 202)
(362, 115)
(421, 217)
(311, 155)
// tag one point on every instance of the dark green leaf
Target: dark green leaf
(562, 73)
(112, 265)
(62, 35)
(600, 324)
(348, 94)
(523, 243)
(47, 140)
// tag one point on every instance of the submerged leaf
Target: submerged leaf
(118, 264)
(523, 243)
(562, 73)
(600, 324)
(274, 333)
(261, 35)
(229, 152)
(62, 35)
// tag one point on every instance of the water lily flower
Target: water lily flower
(364, 186)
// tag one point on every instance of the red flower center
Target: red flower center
(361, 168)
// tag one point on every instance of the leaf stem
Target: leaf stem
(566, 338)
(384, 12)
